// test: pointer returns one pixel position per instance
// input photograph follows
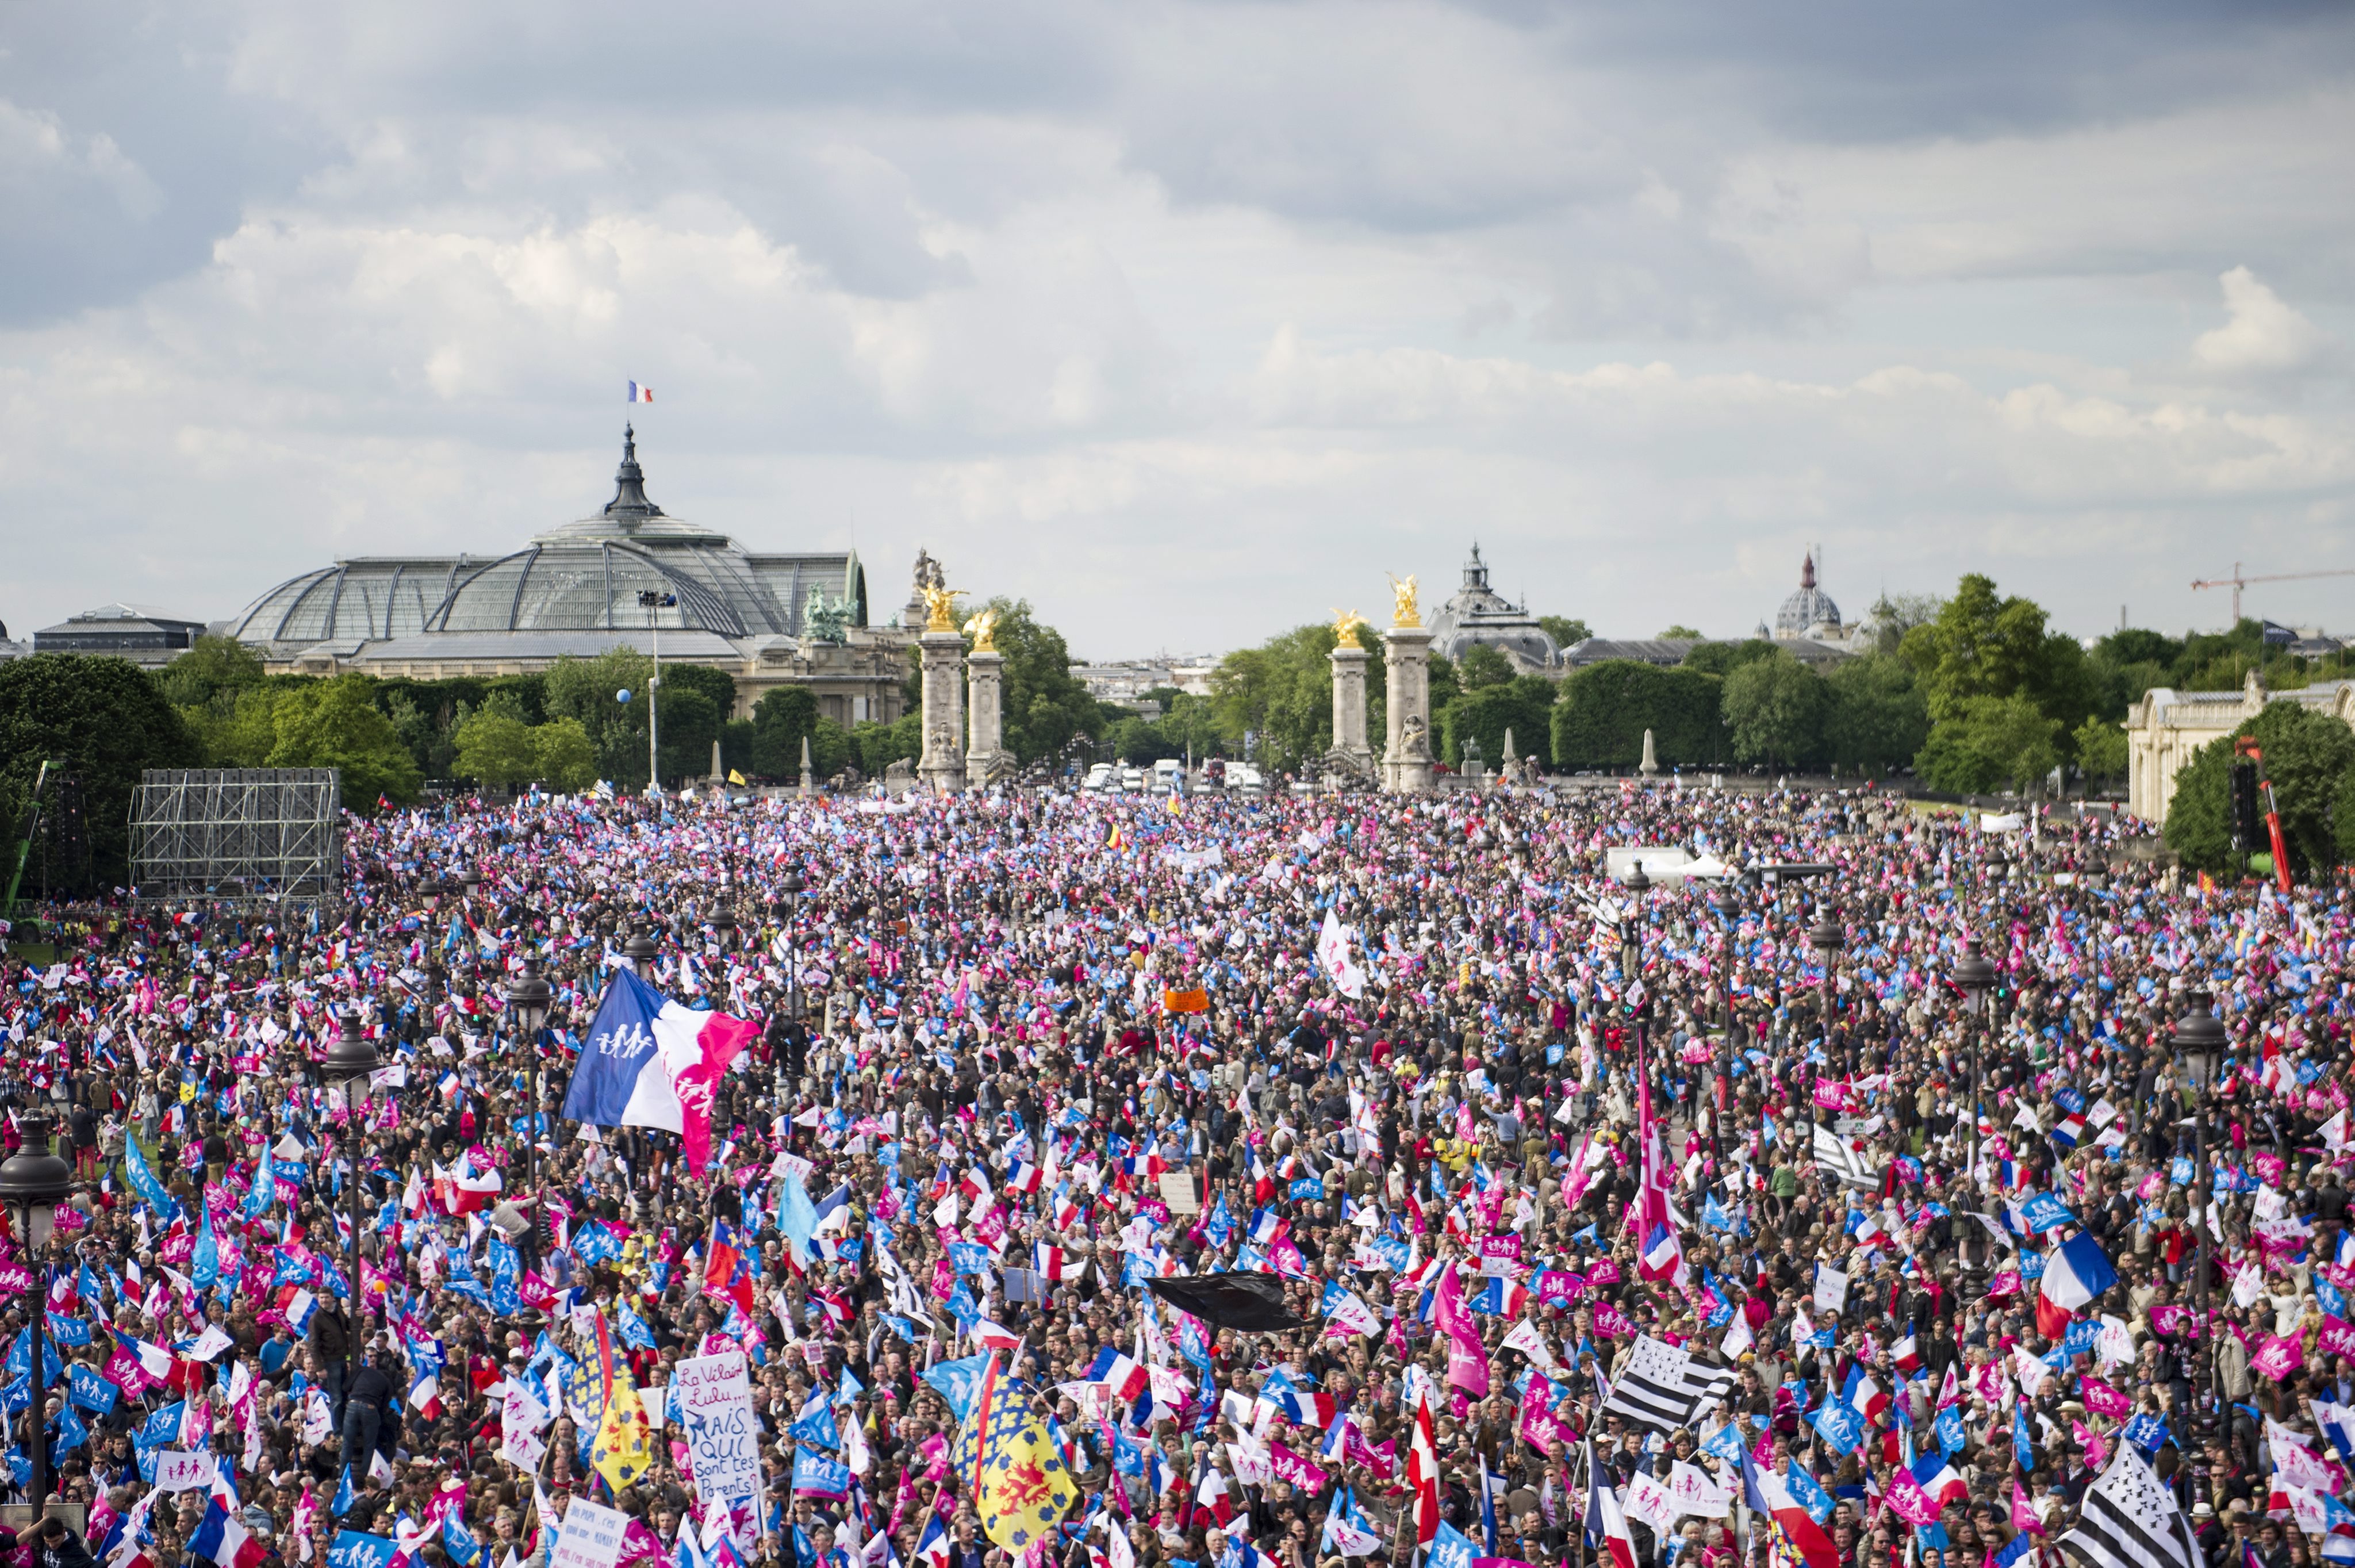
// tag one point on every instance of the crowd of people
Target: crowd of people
(1124, 1182)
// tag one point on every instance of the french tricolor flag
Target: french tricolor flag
(1116, 1372)
(1663, 1257)
(1023, 1177)
(640, 394)
(2076, 1272)
(651, 1063)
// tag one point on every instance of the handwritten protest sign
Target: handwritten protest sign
(591, 1536)
(715, 1407)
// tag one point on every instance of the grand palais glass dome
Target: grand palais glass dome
(574, 589)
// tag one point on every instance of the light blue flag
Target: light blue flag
(151, 1192)
(797, 1217)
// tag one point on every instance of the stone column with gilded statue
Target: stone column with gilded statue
(1350, 757)
(985, 756)
(1406, 759)
(942, 647)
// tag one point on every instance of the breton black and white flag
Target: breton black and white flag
(2129, 1519)
(1662, 1388)
(1843, 1164)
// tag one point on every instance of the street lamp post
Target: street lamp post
(1631, 957)
(33, 1182)
(1974, 978)
(639, 951)
(350, 1062)
(528, 998)
(2199, 1040)
(1826, 938)
(653, 600)
(1729, 910)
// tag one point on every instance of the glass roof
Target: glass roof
(583, 576)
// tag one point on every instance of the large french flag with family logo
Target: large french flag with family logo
(651, 1063)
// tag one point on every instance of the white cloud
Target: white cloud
(1187, 321)
(2260, 333)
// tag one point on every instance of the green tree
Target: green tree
(1043, 704)
(211, 667)
(1990, 742)
(563, 756)
(1983, 646)
(1680, 632)
(1725, 658)
(107, 722)
(690, 723)
(496, 748)
(335, 724)
(715, 687)
(1483, 666)
(878, 746)
(2308, 755)
(781, 719)
(1565, 631)
(2100, 748)
(235, 729)
(1523, 705)
(1877, 718)
(585, 690)
(1775, 712)
(1282, 693)
(831, 751)
(1604, 709)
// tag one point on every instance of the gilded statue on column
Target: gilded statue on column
(1347, 624)
(1404, 611)
(939, 607)
(983, 630)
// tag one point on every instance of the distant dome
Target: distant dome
(1808, 608)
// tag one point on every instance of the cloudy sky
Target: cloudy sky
(1190, 321)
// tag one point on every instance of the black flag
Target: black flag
(1251, 1302)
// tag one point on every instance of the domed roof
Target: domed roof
(1808, 606)
(582, 576)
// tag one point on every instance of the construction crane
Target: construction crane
(2236, 581)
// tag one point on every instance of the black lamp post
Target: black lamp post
(792, 886)
(1974, 978)
(528, 998)
(1728, 905)
(1826, 938)
(2199, 1041)
(1631, 954)
(33, 1182)
(350, 1062)
(640, 949)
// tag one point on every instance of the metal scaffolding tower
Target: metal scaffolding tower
(237, 835)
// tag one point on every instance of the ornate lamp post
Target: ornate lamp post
(2199, 1043)
(639, 951)
(528, 997)
(1631, 956)
(1826, 938)
(1728, 905)
(33, 1182)
(788, 912)
(1974, 978)
(350, 1062)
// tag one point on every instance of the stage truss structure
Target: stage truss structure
(237, 835)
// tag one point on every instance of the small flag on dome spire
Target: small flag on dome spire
(641, 394)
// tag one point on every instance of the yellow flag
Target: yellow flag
(1025, 1489)
(734, 777)
(623, 1446)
